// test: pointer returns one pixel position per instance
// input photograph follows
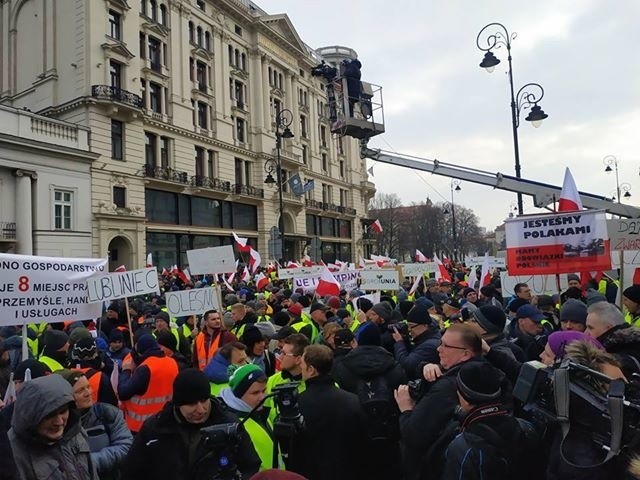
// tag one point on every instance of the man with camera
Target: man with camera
(179, 443)
(426, 412)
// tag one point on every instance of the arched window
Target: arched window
(163, 15)
(207, 41)
(270, 77)
(143, 7)
(230, 50)
(154, 10)
(199, 36)
(191, 33)
(237, 58)
(243, 62)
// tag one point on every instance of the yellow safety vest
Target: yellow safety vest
(216, 388)
(263, 443)
(53, 364)
(272, 382)
(303, 323)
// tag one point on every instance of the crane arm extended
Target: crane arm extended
(543, 194)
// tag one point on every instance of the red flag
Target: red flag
(420, 256)
(444, 273)
(636, 276)
(241, 243)
(121, 268)
(569, 196)
(585, 278)
(245, 275)
(327, 285)
(255, 260)
(485, 275)
(376, 226)
(261, 281)
(164, 272)
(228, 280)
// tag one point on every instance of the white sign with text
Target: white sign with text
(383, 279)
(123, 285)
(183, 303)
(203, 261)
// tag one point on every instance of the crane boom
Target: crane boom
(543, 194)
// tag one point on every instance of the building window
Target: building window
(155, 54)
(341, 168)
(202, 115)
(325, 163)
(303, 126)
(200, 4)
(238, 30)
(119, 197)
(117, 134)
(143, 7)
(143, 92)
(115, 74)
(192, 35)
(163, 15)
(201, 76)
(323, 136)
(153, 7)
(304, 154)
(164, 152)
(240, 130)
(344, 198)
(199, 36)
(238, 94)
(243, 62)
(115, 25)
(200, 162)
(211, 166)
(238, 171)
(155, 97)
(340, 146)
(207, 41)
(150, 141)
(324, 192)
(247, 173)
(143, 45)
(63, 209)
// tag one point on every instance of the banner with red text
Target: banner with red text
(558, 243)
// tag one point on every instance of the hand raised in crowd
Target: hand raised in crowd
(396, 335)
(485, 347)
(194, 332)
(431, 372)
(403, 399)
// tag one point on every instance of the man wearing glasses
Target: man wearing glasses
(423, 420)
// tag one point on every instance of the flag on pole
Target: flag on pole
(261, 281)
(420, 256)
(149, 260)
(246, 276)
(376, 226)
(327, 285)
(485, 276)
(414, 287)
(228, 280)
(241, 243)
(442, 271)
(569, 196)
(254, 260)
(10, 394)
(121, 268)
(164, 271)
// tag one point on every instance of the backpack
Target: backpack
(377, 403)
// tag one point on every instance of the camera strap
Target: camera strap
(615, 401)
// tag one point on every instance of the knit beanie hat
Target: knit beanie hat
(280, 318)
(84, 349)
(558, 341)
(190, 386)
(467, 291)
(516, 304)
(419, 314)
(593, 296)
(383, 309)
(343, 337)
(364, 304)
(250, 337)
(54, 340)
(145, 343)
(267, 329)
(78, 333)
(70, 376)
(479, 383)
(334, 302)
(116, 336)
(37, 369)
(573, 277)
(244, 377)
(632, 293)
(405, 306)
(573, 310)
(545, 301)
(167, 340)
(491, 318)
(369, 334)
(424, 301)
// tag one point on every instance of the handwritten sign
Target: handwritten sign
(494, 262)
(383, 279)
(299, 272)
(212, 260)
(348, 280)
(624, 234)
(183, 303)
(539, 284)
(418, 269)
(123, 284)
(47, 289)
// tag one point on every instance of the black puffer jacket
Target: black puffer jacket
(368, 362)
(623, 341)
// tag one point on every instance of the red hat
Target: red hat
(295, 309)
(334, 302)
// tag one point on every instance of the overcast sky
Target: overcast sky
(440, 104)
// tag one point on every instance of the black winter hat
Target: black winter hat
(479, 383)
(516, 304)
(54, 340)
(167, 340)
(632, 293)
(251, 336)
(343, 337)
(384, 310)
(405, 306)
(369, 334)
(364, 304)
(491, 318)
(419, 314)
(190, 386)
(573, 310)
(38, 369)
(84, 349)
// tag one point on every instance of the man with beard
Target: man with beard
(210, 339)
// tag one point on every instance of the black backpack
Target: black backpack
(376, 400)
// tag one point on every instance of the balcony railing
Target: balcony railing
(7, 231)
(240, 189)
(212, 183)
(329, 207)
(115, 94)
(310, 203)
(166, 173)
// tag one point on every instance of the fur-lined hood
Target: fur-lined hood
(622, 336)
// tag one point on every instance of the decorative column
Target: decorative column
(24, 212)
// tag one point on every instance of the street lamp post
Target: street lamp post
(610, 160)
(520, 101)
(284, 118)
(455, 187)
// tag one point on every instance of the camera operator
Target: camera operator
(171, 446)
(331, 445)
(423, 420)
(425, 335)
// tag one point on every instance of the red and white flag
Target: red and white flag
(121, 268)
(255, 260)
(10, 394)
(291, 264)
(569, 197)
(442, 272)
(187, 274)
(165, 271)
(485, 275)
(420, 256)
(149, 260)
(246, 276)
(241, 243)
(175, 270)
(227, 280)
(261, 281)
(376, 226)
(414, 287)
(327, 285)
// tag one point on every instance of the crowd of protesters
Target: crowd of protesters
(281, 384)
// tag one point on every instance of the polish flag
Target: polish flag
(187, 274)
(261, 281)
(333, 267)
(636, 277)
(246, 276)
(182, 275)
(585, 278)
(569, 196)
(442, 272)
(241, 243)
(164, 272)
(175, 270)
(485, 275)
(227, 281)
(420, 256)
(376, 226)
(414, 287)
(327, 285)
(291, 264)
(255, 260)
(121, 268)
(342, 265)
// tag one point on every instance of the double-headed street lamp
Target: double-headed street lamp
(610, 160)
(455, 187)
(525, 98)
(284, 118)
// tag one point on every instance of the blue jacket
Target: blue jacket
(425, 350)
(216, 369)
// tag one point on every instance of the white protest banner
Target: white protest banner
(123, 284)
(211, 260)
(539, 284)
(494, 262)
(418, 269)
(196, 301)
(300, 272)
(624, 233)
(47, 289)
(558, 243)
(383, 279)
(307, 283)
(348, 280)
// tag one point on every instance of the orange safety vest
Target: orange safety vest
(204, 356)
(138, 408)
(95, 377)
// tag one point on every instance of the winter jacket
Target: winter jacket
(217, 369)
(530, 345)
(425, 350)
(109, 438)
(509, 348)
(486, 448)
(169, 448)
(331, 445)
(624, 343)
(36, 459)
(8, 470)
(118, 356)
(137, 382)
